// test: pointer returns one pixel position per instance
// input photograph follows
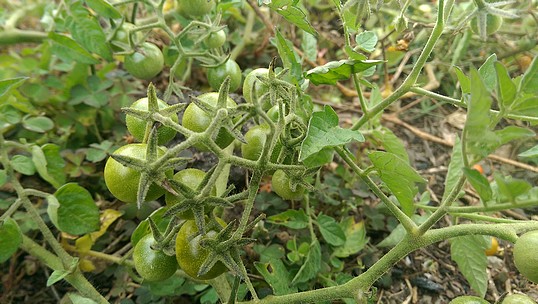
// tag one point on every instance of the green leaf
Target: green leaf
(468, 252)
(529, 82)
(40, 124)
(465, 82)
(506, 87)
(104, 9)
(23, 164)
(311, 266)
(49, 164)
(7, 85)
(480, 183)
(276, 275)
(98, 152)
(513, 133)
(310, 47)
(294, 14)
(353, 12)
(294, 219)
(366, 41)
(398, 233)
(391, 143)
(330, 230)
(269, 253)
(526, 105)
(289, 57)
(10, 238)
(77, 298)
(143, 228)
(488, 73)
(356, 239)
(530, 153)
(509, 188)
(322, 135)
(399, 177)
(3, 177)
(56, 276)
(87, 31)
(334, 71)
(67, 48)
(455, 168)
(77, 214)
(481, 140)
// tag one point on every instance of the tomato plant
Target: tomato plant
(281, 186)
(191, 255)
(197, 120)
(252, 86)
(216, 75)
(525, 255)
(190, 177)
(137, 127)
(493, 24)
(120, 40)
(122, 181)
(195, 8)
(146, 62)
(468, 300)
(151, 264)
(215, 40)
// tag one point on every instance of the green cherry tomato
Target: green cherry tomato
(122, 181)
(281, 186)
(194, 8)
(216, 75)
(192, 178)
(273, 112)
(191, 255)
(251, 81)
(120, 40)
(152, 265)
(255, 138)
(468, 300)
(195, 119)
(137, 127)
(493, 24)
(215, 39)
(518, 299)
(146, 62)
(525, 255)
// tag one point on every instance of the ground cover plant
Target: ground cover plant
(173, 151)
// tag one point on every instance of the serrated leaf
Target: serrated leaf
(289, 57)
(104, 9)
(294, 14)
(322, 136)
(90, 35)
(311, 266)
(488, 73)
(391, 143)
(480, 183)
(67, 48)
(366, 41)
(529, 82)
(7, 85)
(330, 230)
(276, 275)
(10, 238)
(294, 219)
(334, 71)
(77, 213)
(356, 239)
(399, 177)
(468, 252)
(506, 87)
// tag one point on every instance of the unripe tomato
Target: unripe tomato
(273, 112)
(518, 299)
(146, 62)
(251, 81)
(151, 264)
(281, 186)
(191, 255)
(192, 178)
(122, 181)
(194, 8)
(215, 39)
(137, 127)
(195, 119)
(493, 24)
(255, 138)
(525, 255)
(120, 40)
(216, 75)
(468, 300)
